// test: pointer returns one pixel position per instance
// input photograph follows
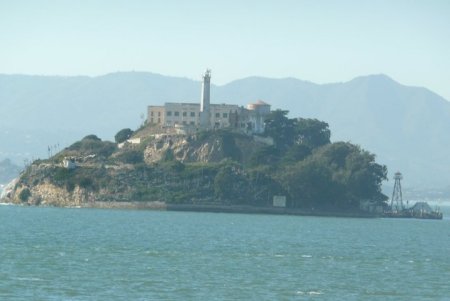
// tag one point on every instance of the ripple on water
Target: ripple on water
(85, 254)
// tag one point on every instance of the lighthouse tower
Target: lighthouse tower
(205, 101)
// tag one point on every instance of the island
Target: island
(211, 157)
(292, 165)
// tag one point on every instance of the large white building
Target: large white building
(205, 115)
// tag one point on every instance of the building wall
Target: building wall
(182, 113)
(220, 114)
(156, 115)
(249, 120)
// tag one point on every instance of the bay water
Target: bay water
(103, 254)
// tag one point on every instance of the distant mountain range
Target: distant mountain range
(407, 127)
(8, 171)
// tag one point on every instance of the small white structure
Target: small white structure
(69, 163)
(279, 201)
(421, 208)
(130, 141)
(258, 111)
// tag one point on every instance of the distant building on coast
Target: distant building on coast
(204, 115)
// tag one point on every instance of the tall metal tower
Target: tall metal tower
(397, 198)
(205, 101)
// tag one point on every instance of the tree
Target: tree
(223, 184)
(123, 135)
(91, 137)
(229, 147)
(312, 132)
(231, 185)
(262, 188)
(286, 132)
(297, 152)
(281, 129)
(266, 155)
(310, 184)
(91, 144)
(356, 170)
(337, 175)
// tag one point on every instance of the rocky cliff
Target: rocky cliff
(163, 168)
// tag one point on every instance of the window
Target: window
(151, 113)
(169, 113)
(151, 120)
(159, 114)
(159, 120)
(177, 113)
(192, 114)
(184, 122)
(192, 123)
(184, 114)
(217, 115)
(225, 115)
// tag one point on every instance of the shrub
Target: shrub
(131, 157)
(70, 186)
(61, 174)
(230, 150)
(168, 156)
(123, 135)
(85, 182)
(25, 194)
(91, 137)
(93, 145)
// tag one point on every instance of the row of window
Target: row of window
(224, 115)
(242, 125)
(176, 113)
(192, 114)
(184, 122)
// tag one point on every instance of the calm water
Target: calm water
(89, 254)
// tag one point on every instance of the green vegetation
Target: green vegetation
(230, 149)
(302, 164)
(92, 145)
(24, 194)
(316, 173)
(123, 135)
(130, 157)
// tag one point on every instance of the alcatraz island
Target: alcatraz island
(211, 157)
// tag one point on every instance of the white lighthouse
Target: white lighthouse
(205, 101)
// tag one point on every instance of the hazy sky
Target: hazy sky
(319, 41)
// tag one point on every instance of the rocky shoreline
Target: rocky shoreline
(158, 205)
(266, 210)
